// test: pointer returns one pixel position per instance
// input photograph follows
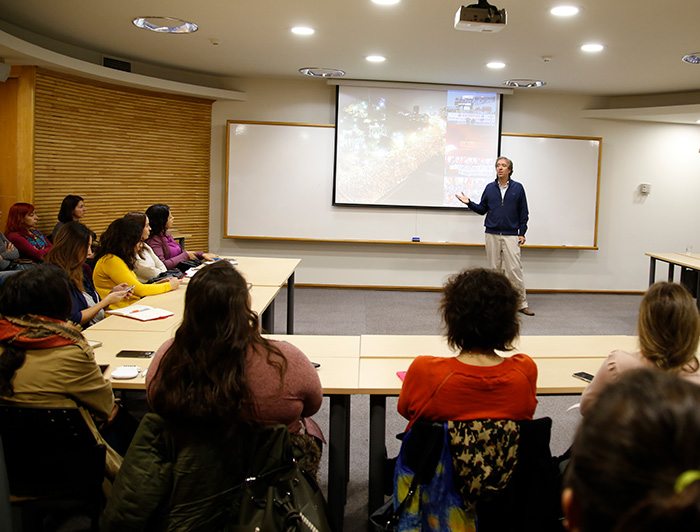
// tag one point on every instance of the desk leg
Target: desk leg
(338, 459)
(290, 304)
(671, 268)
(268, 318)
(652, 271)
(377, 449)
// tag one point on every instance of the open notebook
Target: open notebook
(141, 312)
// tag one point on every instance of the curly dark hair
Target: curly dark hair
(480, 311)
(202, 380)
(158, 217)
(120, 239)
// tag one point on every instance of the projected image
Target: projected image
(413, 147)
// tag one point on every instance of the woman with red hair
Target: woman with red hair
(20, 229)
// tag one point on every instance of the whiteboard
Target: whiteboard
(280, 185)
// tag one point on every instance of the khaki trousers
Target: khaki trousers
(503, 255)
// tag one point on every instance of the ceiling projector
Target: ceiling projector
(481, 17)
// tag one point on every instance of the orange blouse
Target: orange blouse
(505, 391)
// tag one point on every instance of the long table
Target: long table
(381, 356)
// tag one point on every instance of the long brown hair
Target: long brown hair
(669, 326)
(69, 251)
(120, 239)
(202, 378)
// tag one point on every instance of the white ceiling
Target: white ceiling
(644, 40)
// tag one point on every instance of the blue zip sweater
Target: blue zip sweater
(507, 216)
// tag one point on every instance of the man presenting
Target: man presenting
(505, 206)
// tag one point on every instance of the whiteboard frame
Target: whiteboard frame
(360, 211)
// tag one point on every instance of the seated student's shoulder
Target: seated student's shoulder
(523, 363)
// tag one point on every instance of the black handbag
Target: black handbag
(167, 273)
(185, 265)
(284, 500)
(278, 495)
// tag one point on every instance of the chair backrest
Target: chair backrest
(50, 451)
(5, 509)
(531, 501)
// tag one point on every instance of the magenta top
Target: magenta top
(168, 250)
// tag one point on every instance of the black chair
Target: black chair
(531, 500)
(54, 462)
(5, 509)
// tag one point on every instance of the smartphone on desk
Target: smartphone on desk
(584, 376)
(136, 354)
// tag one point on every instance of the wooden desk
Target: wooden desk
(266, 271)
(381, 356)
(261, 297)
(115, 341)
(673, 260)
(411, 346)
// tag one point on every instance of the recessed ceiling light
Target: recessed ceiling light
(320, 72)
(693, 58)
(375, 58)
(524, 83)
(303, 30)
(165, 24)
(386, 2)
(564, 11)
(496, 64)
(592, 47)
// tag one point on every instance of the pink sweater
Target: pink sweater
(615, 365)
(299, 397)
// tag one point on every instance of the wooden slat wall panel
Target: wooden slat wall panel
(122, 151)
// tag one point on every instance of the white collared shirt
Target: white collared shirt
(503, 189)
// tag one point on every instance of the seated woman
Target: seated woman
(635, 461)
(479, 308)
(148, 266)
(71, 247)
(478, 396)
(669, 332)
(216, 377)
(163, 244)
(8, 255)
(72, 210)
(116, 257)
(20, 229)
(43, 360)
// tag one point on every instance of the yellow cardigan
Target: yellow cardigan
(110, 271)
